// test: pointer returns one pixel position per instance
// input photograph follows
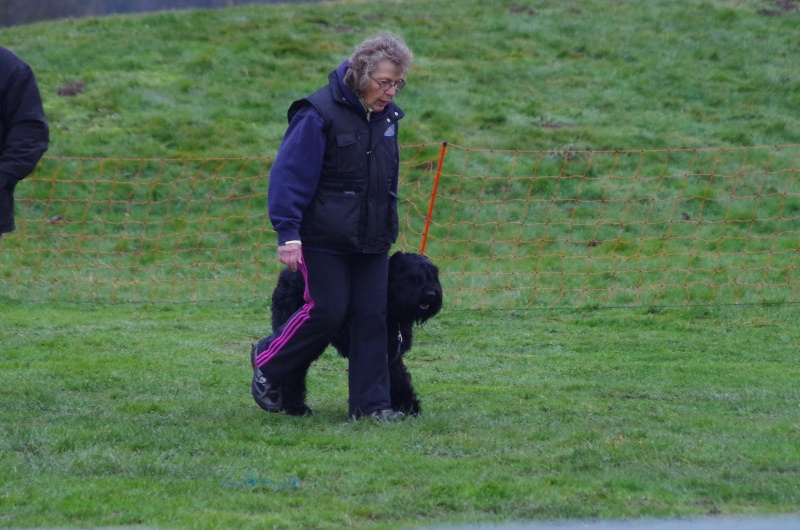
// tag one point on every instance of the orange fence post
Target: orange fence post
(433, 198)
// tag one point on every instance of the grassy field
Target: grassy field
(119, 415)
(140, 414)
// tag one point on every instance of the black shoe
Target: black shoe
(267, 396)
(381, 415)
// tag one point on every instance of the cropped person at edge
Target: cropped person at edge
(24, 132)
(333, 203)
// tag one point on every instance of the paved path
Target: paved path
(707, 523)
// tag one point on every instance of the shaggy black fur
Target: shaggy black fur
(415, 295)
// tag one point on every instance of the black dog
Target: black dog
(414, 296)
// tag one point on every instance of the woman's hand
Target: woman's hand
(291, 254)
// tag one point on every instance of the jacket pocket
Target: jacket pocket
(333, 220)
(348, 153)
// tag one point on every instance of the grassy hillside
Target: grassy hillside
(530, 74)
(502, 75)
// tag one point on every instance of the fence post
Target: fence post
(429, 215)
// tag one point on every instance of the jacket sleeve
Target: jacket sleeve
(27, 135)
(295, 174)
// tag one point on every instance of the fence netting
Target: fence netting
(508, 229)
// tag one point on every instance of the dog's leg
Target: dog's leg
(402, 392)
(293, 393)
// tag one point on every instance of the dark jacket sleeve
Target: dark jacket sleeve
(295, 174)
(25, 133)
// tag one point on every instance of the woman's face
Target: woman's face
(376, 97)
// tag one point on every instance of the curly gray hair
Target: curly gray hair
(384, 46)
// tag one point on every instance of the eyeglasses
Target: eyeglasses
(386, 85)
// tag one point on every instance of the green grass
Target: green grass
(140, 414)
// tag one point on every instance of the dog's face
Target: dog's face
(415, 293)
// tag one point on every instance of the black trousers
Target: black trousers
(338, 287)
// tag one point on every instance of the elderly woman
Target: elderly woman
(333, 204)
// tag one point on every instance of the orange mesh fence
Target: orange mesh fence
(117, 230)
(518, 229)
(508, 229)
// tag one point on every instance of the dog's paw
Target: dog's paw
(297, 410)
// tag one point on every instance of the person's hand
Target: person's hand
(291, 255)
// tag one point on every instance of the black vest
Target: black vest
(354, 208)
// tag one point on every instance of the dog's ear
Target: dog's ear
(395, 258)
